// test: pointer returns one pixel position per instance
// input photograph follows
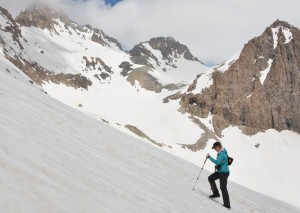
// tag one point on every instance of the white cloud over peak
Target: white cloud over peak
(213, 29)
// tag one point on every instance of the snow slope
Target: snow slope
(56, 159)
(264, 162)
(121, 104)
(64, 51)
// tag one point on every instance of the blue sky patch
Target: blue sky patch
(112, 2)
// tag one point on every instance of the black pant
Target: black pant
(223, 185)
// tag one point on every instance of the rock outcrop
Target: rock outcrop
(39, 75)
(126, 66)
(144, 79)
(100, 37)
(260, 90)
(96, 63)
(169, 48)
(141, 134)
(11, 27)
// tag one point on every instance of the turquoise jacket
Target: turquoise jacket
(222, 159)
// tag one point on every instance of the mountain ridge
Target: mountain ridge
(269, 60)
(58, 26)
(157, 102)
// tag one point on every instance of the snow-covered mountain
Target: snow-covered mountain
(147, 92)
(101, 79)
(167, 59)
(61, 51)
(56, 159)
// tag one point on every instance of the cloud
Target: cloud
(213, 29)
(15, 6)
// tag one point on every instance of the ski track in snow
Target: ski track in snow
(56, 159)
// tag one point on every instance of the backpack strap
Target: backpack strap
(225, 159)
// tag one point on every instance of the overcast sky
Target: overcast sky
(214, 30)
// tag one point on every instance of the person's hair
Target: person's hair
(216, 144)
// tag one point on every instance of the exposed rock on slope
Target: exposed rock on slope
(30, 43)
(9, 25)
(100, 37)
(41, 16)
(168, 61)
(205, 136)
(141, 134)
(260, 90)
(144, 79)
(40, 75)
(55, 49)
(44, 17)
(168, 47)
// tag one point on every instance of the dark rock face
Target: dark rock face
(169, 48)
(239, 97)
(126, 66)
(100, 37)
(140, 55)
(95, 61)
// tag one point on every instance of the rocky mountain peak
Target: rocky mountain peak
(280, 23)
(260, 89)
(41, 16)
(169, 50)
(169, 47)
(281, 32)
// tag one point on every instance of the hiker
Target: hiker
(222, 173)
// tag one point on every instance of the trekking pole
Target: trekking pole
(199, 175)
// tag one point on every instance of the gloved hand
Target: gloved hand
(207, 156)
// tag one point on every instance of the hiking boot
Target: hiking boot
(214, 195)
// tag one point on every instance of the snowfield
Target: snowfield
(57, 159)
(121, 103)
